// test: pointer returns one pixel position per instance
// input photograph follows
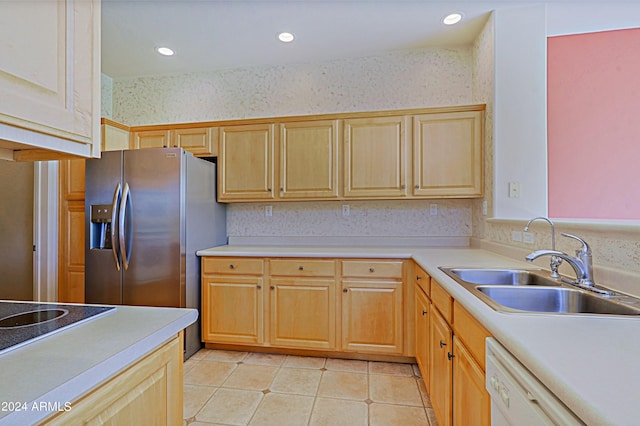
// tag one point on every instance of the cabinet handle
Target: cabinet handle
(450, 356)
(418, 277)
(259, 287)
(424, 313)
(372, 270)
(417, 187)
(300, 268)
(344, 290)
(232, 266)
(442, 344)
(281, 189)
(272, 288)
(269, 189)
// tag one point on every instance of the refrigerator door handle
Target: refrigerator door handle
(114, 213)
(124, 250)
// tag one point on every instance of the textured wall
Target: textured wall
(409, 79)
(106, 96)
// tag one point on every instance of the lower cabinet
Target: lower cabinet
(457, 375)
(316, 304)
(148, 392)
(303, 313)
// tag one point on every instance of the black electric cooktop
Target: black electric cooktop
(24, 322)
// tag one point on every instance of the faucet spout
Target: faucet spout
(578, 266)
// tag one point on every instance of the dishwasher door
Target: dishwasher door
(517, 397)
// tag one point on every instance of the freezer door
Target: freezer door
(103, 280)
(154, 225)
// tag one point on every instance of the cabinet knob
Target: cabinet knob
(344, 290)
(450, 356)
(281, 189)
(424, 312)
(402, 186)
(372, 270)
(269, 189)
(418, 277)
(232, 266)
(442, 344)
(300, 268)
(272, 288)
(259, 287)
(417, 187)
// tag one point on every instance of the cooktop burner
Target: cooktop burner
(24, 322)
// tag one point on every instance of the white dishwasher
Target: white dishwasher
(518, 398)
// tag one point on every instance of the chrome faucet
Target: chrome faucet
(581, 264)
(555, 261)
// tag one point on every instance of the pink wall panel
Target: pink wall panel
(593, 120)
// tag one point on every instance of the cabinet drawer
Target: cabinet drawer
(442, 300)
(423, 280)
(232, 265)
(302, 267)
(470, 332)
(372, 268)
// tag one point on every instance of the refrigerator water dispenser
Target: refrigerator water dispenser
(100, 226)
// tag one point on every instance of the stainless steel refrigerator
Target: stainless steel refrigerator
(147, 212)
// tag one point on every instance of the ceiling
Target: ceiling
(215, 35)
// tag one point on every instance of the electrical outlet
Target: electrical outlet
(528, 237)
(433, 210)
(516, 236)
(485, 208)
(268, 211)
(346, 210)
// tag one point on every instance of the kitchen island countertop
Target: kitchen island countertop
(52, 372)
(589, 362)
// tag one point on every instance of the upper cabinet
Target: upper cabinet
(115, 136)
(245, 171)
(447, 154)
(201, 141)
(49, 79)
(150, 139)
(375, 163)
(309, 159)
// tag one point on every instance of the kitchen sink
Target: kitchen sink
(553, 300)
(520, 290)
(517, 277)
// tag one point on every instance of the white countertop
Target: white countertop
(71, 362)
(592, 363)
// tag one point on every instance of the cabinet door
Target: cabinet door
(471, 401)
(232, 309)
(375, 157)
(372, 316)
(245, 170)
(303, 313)
(309, 159)
(447, 153)
(114, 136)
(202, 141)
(441, 374)
(422, 335)
(150, 392)
(50, 75)
(150, 139)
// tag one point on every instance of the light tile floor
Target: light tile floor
(240, 388)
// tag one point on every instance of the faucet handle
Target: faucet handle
(585, 247)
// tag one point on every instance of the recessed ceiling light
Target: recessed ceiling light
(286, 37)
(165, 51)
(452, 19)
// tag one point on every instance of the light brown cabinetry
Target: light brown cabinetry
(318, 304)
(141, 139)
(423, 324)
(232, 300)
(309, 159)
(148, 392)
(375, 157)
(246, 166)
(447, 154)
(457, 373)
(71, 231)
(303, 303)
(115, 136)
(201, 141)
(49, 79)
(372, 306)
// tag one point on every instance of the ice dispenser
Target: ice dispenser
(101, 226)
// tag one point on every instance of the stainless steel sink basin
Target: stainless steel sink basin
(517, 277)
(553, 300)
(534, 291)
